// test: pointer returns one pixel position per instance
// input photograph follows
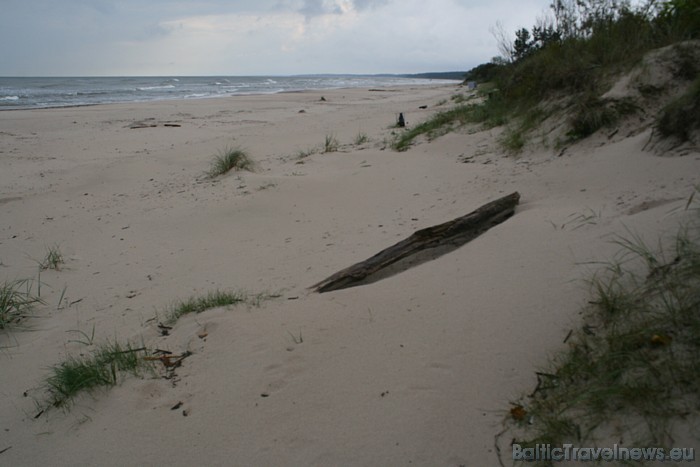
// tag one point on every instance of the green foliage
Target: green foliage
(682, 116)
(680, 19)
(361, 139)
(591, 114)
(571, 58)
(230, 159)
(484, 72)
(101, 368)
(491, 113)
(330, 144)
(634, 361)
(53, 258)
(215, 299)
(17, 299)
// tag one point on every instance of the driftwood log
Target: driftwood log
(439, 239)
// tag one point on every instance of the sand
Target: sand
(416, 369)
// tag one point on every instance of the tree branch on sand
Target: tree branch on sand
(424, 245)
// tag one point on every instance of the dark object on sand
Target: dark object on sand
(438, 240)
(401, 122)
(423, 107)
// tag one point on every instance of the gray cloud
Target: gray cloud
(367, 4)
(313, 8)
(83, 37)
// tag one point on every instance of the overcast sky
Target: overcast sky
(252, 37)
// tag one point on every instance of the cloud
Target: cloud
(166, 37)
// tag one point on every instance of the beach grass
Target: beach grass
(330, 144)
(489, 113)
(681, 117)
(634, 364)
(17, 300)
(102, 368)
(361, 138)
(229, 159)
(591, 114)
(576, 66)
(53, 258)
(303, 154)
(214, 299)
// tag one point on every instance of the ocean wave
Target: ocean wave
(153, 88)
(18, 93)
(88, 93)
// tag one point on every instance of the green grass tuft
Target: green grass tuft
(330, 144)
(101, 369)
(17, 299)
(361, 139)
(53, 259)
(214, 299)
(230, 159)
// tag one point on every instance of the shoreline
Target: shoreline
(418, 82)
(418, 367)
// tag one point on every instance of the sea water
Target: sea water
(29, 93)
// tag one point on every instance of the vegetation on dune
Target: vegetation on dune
(230, 159)
(682, 116)
(17, 299)
(107, 364)
(213, 299)
(635, 361)
(330, 144)
(571, 57)
(53, 258)
(102, 368)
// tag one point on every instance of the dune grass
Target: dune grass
(575, 65)
(230, 159)
(213, 299)
(634, 363)
(490, 113)
(303, 154)
(17, 299)
(361, 138)
(330, 144)
(681, 117)
(102, 368)
(53, 258)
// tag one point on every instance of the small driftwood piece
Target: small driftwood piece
(452, 234)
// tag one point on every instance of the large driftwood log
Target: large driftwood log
(446, 237)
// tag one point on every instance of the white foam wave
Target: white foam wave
(152, 88)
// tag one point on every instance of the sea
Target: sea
(36, 93)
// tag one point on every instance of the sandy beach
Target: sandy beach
(415, 369)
